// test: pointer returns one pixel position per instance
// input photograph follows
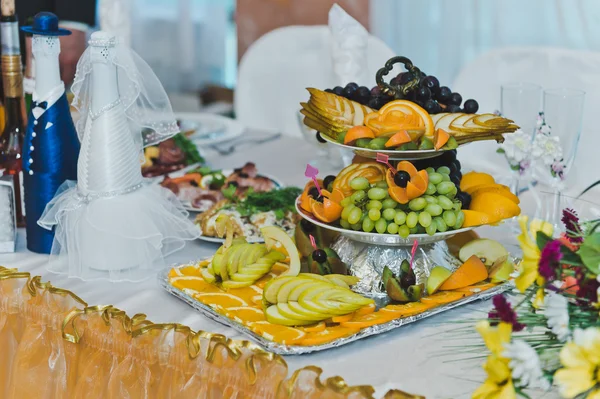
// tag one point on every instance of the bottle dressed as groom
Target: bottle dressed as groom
(51, 146)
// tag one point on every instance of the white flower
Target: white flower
(545, 129)
(516, 146)
(547, 148)
(525, 365)
(557, 315)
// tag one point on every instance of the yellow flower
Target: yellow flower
(528, 267)
(499, 384)
(581, 365)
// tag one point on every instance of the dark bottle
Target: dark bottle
(11, 141)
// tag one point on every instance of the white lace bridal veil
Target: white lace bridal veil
(112, 224)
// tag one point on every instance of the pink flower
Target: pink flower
(571, 222)
(504, 312)
(550, 257)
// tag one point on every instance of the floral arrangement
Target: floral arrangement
(519, 149)
(552, 335)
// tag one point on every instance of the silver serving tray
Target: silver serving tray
(281, 349)
(396, 155)
(382, 239)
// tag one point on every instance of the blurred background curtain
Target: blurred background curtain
(188, 43)
(441, 36)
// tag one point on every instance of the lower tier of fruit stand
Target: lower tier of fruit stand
(421, 358)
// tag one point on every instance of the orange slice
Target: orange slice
(358, 132)
(403, 106)
(440, 298)
(476, 218)
(407, 309)
(440, 138)
(276, 333)
(246, 294)
(495, 205)
(369, 320)
(365, 310)
(328, 335)
(398, 139)
(314, 328)
(328, 211)
(245, 314)
(189, 271)
(469, 273)
(496, 189)
(193, 283)
(341, 319)
(223, 299)
(473, 179)
(472, 289)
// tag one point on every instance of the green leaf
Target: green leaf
(500, 151)
(229, 192)
(190, 150)
(279, 213)
(589, 252)
(542, 239)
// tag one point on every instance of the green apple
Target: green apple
(296, 307)
(309, 292)
(314, 276)
(272, 287)
(207, 275)
(349, 280)
(395, 291)
(284, 291)
(229, 256)
(245, 277)
(436, 278)
(501, 270)
(274, 316)
(287, 311)
(241, 254)
(338, 281)
(229, 284)
(217, 261)
(331, 308)
(299, 290)
(273, 234)
(489, 251)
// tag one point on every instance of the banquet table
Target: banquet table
(420, 358)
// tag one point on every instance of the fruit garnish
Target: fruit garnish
(331, 114)
(402, 178)
(473, 179)
(401, 288)
(400, 115)
(402, 137)
(465, 128)
(358, 132)
(493, 188)
(488, 251)
(495, 205)
(501, 270)
(371, 171)
(440, 138)
(415, 187)
(440, 298)
(437, 277)
(306, 299)
(273, 235)
(476, 218)
(469, 273)
(319, 256)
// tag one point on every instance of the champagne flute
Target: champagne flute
(520, 102)
(563, 113)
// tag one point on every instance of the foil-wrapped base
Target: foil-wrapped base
(367, 261)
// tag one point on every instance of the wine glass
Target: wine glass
(563, 114)
(520, 102)
(328, 156)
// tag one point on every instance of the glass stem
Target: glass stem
(556, 211)
(515, 183)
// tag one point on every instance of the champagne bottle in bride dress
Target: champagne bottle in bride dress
(111, 224)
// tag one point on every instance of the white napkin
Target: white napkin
(349, 42)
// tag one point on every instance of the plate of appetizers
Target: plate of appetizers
(207, 129)
(241, 200)
(199, 188)
(411, 117)
(169, 156)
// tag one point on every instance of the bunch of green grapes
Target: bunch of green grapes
(370, 208)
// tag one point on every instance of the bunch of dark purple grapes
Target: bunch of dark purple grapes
(428, 94)
(373, 98)
(447, 159)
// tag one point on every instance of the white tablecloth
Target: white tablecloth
(416, 358)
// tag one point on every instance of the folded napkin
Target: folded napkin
(349, 43)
